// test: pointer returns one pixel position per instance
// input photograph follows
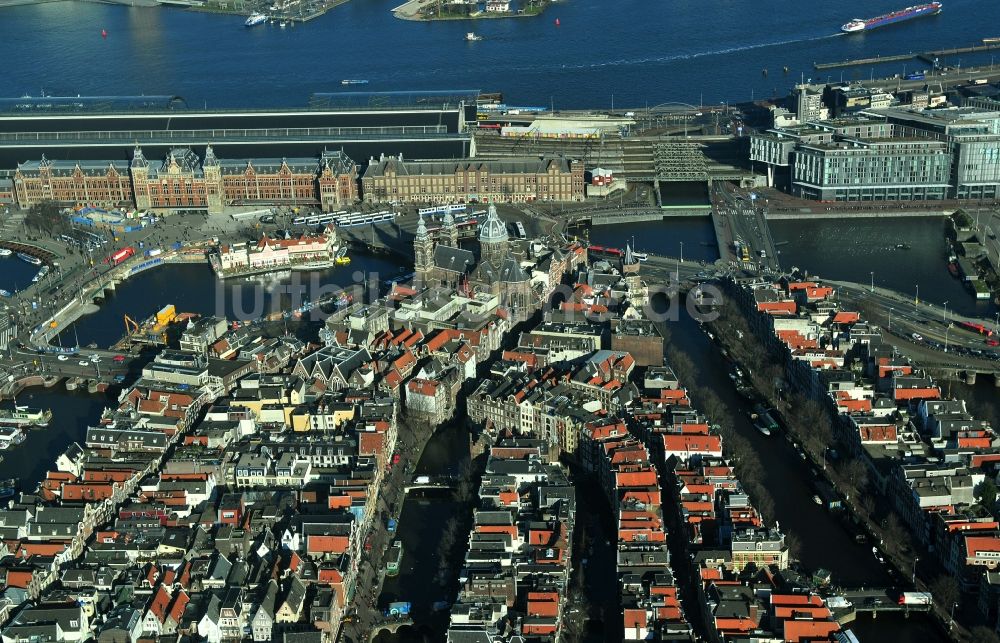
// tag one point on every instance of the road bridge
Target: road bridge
(424, 483)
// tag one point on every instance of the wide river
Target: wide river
(640, 53)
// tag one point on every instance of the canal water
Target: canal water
(15, 274)
(193, 288)
(853, 249)
(841, 249)
(694, 236)
(630, 53)
(72, 413)
(426, 580)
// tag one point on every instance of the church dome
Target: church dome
(493, 229)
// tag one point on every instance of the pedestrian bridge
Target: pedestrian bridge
(389, 627)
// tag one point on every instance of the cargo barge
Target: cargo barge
(917, 11)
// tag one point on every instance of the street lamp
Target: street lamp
(946, 331)
(913, 578)
(682, 252)
(890, 317)
(872, 273)
(916, 300)
(944, 312)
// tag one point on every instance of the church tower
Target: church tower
(493, 238)
(449, 231)
(423, 252)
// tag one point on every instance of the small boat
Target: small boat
(342, 261)
(35, 261)
(255, 19)
(817, 500)
(6, 252)
(22, 415)
(990, 41)
(953, 269)
(472, 37)
(282, 24)
(902, 246)
(4, 293)
(353, 81)
(44, 270)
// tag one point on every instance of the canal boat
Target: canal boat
(353, 81)
(6, 252)
(10, 435)
(25, 416)
(393, 559)
(255, 19)
(44, 270)
(953, 269)
(35, 261)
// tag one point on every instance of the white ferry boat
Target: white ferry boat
(44, 270)
(35, 261)
(255, 19)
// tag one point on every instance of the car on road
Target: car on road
(992, 342)
(63, 358)
(95, 358)
(84, 362)
(916, 337)
(118, 359)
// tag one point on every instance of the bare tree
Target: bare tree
(794, 544)
(857, 474)
(946, 590)
(867, 502)
(894, 530)
(983, 634)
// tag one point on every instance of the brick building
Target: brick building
(102, 183)
(183, 181)
(390, 178)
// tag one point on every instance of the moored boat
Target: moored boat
(255, 19)
(23, 415)
(353, 81)
(35, 261)
(6, 252)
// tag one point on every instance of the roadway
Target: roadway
(927, 332)
(744, 222)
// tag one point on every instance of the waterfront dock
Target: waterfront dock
(927, 56)
(865, 61)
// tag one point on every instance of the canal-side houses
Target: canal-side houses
(926, 454)
(515, 576)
